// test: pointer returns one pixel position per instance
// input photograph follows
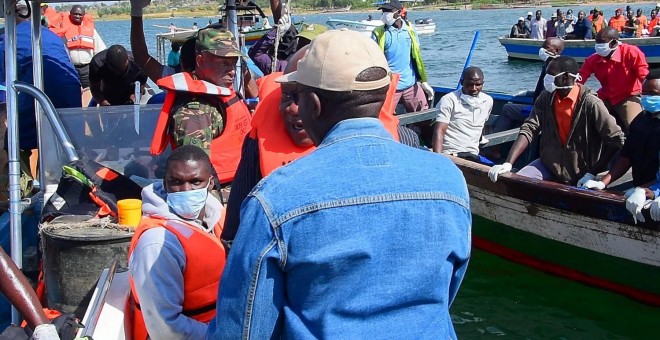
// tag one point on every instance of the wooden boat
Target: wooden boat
(422, 26)
(582, 235)
(528, 49)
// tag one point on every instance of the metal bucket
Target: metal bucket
(76, 250)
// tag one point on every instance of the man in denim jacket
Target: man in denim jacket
(362, 238)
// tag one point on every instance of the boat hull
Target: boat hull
(584, 236)
(528, 49)
(367, 26)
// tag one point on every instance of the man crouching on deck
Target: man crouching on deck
(579, 136)
(174, 296)
(332, 258)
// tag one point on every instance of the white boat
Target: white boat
(422, 26)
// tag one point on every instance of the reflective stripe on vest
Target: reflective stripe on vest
(415, 51)
(226, 149)
(276, 148)
(79, 36)
(201, 277)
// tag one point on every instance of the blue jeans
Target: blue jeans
(362, 238)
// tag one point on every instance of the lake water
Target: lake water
(498, 298)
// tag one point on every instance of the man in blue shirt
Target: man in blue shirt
(354, 240)
(398, 40)
(61, 82)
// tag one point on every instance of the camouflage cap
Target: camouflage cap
(310, 31)
(217, 41)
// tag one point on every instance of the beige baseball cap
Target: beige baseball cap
(335, 59)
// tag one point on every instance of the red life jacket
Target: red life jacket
(276, 148)
(226, 149)
(201, 276)
(79, 36)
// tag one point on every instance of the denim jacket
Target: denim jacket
(362, 238)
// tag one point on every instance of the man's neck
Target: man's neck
(398, 23)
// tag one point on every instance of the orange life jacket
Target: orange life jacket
(618, 23)
(54, 18)
(201, 276)
(226, 149)
(598, 24)
(275, 146)
(79, 36)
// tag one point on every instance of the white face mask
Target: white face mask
(604, 49)
(388, 18)
(544, 54)
(549, 82)
(471, 101)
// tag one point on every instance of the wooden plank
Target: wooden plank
(501, 137)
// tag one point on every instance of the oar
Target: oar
(469, 57)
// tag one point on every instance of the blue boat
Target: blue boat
(528, 49)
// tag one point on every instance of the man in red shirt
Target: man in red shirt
(620, 68)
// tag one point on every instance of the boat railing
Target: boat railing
(98, 299)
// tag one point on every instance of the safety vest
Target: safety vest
(597, 24)
(275, 145)
(201, 276)
(415, 52)
(79, 36)
(226, 149)
(53, 18)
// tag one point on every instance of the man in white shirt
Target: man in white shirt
(82, 40)
(462, 116)
(539, 27)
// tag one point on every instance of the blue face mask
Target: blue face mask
(188, 204)
(651, 103)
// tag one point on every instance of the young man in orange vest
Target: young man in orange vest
(202, 109)
(82, 40)
(175, 257)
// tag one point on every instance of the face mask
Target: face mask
(651, 103)
(188, 204)
(388, 18)
(604, 49)
(549, 82)
(544, 54)
(471, 101)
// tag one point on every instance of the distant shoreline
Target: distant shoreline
(213, 14)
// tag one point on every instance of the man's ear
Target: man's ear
(316, 106)
(198, 60)
(211, 183)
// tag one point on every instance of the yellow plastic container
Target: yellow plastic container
(130, 212)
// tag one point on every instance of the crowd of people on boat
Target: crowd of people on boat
(310, 223)
(326, 110)
(629, 23)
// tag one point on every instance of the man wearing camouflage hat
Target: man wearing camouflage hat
(202, 109)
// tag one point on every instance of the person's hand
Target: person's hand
(584, 179)
(593, 184)
(635, 199)
(428, 90)
(497, 170)
(45, 332)
(285, 20)
(655, 209)
(137, 7)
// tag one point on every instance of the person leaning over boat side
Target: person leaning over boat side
(175, 256)
(618, 21)
(112, 76)
(513, 115)
(302, 253)
(461, 117)
(278, 138)
(202, 109)
(620, 68)
(82, 39)
(518, 30)
(539, 27)
(400, 44)
(574, 126)
(641, 149)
